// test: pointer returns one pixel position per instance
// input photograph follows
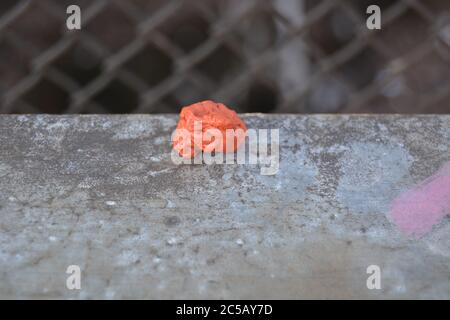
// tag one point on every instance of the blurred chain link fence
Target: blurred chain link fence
(299, 56)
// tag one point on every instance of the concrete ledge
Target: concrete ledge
(102, 192)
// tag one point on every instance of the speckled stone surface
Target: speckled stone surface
(102, 192)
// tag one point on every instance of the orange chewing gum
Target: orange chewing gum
(208, 126)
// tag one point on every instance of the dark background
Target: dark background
(296, 56)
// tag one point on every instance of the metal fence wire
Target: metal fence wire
(154, 56)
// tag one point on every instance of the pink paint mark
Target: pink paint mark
(416, 211)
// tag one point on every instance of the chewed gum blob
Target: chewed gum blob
(205, 126)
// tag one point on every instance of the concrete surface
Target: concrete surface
(102, 192)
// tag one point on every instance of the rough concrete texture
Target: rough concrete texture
(102, 192)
